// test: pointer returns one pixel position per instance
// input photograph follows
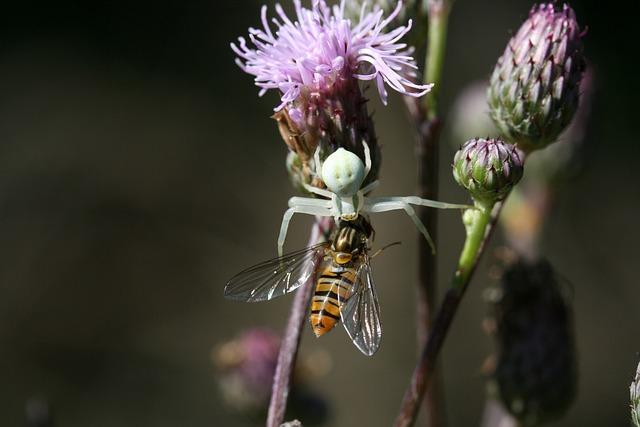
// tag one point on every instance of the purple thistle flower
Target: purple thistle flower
(311, 56)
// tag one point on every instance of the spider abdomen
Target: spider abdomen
(343, 173)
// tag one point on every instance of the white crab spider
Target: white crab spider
(343, 173)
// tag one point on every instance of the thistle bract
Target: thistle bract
(488, 169)
(635, 398)
(535, 86)
(316, 61)
(534, 375)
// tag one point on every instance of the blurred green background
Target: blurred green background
(139, 171)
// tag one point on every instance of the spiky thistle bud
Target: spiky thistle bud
(634, 391)
(488, 169)
(534, 372)
(535, 86)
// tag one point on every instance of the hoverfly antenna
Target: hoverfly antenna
(376, 253)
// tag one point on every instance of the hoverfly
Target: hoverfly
(344, 288)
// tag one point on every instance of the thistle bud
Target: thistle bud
(534, 373)
(534, 89)
(635, 399)
(488, 168)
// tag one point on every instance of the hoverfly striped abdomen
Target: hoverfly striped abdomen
(333, 287)
(336, 280)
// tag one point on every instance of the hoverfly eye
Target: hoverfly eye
(343, 258)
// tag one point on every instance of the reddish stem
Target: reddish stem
(291, 337)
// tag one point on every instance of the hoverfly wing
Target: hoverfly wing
(360, 313)
(276, 277)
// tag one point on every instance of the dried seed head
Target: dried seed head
(488, 169)
(534, 89)
(534, 373)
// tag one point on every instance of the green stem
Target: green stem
(476, 222)
(428, 124)
(479, 223)
(438, 11)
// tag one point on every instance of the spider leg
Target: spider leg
(319, 191)
(367, 158)
(358, 202)
(336, 205)
(370, 187)
(415, 200)
(316, 161)
(310, 201)
(392, 205)
(286, 218)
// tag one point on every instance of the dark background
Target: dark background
(139, 171)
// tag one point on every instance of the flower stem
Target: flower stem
(476, 222)
(438, 13)
(427, 121)
(479, 223)
(291, 337)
